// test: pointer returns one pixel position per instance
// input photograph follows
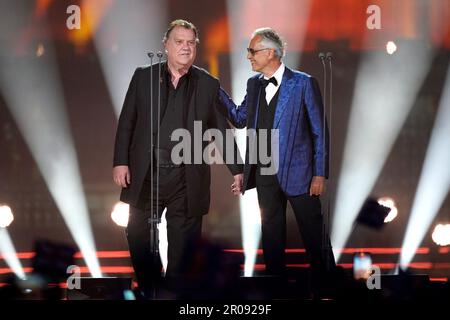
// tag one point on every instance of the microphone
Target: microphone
(159, 54)
(322, 58)
(329, 56)
(150, 55)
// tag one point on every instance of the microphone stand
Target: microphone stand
(328, 247)
(156, 215)
(322, 58)
(154, 219)
(326, 244)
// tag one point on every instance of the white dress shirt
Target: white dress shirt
(271, 89)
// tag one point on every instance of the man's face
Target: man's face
(260, 59)
(181, 47)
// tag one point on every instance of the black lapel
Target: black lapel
(253, 106)
(190, 98)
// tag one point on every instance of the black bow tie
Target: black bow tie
(265, 82)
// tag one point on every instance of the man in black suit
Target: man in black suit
(188, 95)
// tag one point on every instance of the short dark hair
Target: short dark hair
(180, 23)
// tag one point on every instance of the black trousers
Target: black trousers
(307, 209)
(183, 231)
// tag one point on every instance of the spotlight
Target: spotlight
(389, 203)
(373, 214)
(441, 235)
(120, 214)
(6, 216)
(391, 47)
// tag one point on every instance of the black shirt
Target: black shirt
(174, 111)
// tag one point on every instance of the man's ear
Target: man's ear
(272, 54)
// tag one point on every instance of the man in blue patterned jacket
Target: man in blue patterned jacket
(290, 102)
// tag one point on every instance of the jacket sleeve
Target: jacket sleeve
(126, 125)
(236, 114)
(218, 121)
(318, 125)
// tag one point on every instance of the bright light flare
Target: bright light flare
(120, 214)
(391, 47)
(441, 235)
(6, 216)
(389, 203)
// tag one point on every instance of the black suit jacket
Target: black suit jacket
(132, 145)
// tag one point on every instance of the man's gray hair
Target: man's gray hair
(271, 39)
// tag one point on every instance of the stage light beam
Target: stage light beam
(8, 252)
(33, 93)
(385, 85)
(434, 181)
(128, 30)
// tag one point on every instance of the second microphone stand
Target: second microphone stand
(326, 244)
(154, 219)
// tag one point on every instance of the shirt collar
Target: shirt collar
(188, 74)
(278, 74)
